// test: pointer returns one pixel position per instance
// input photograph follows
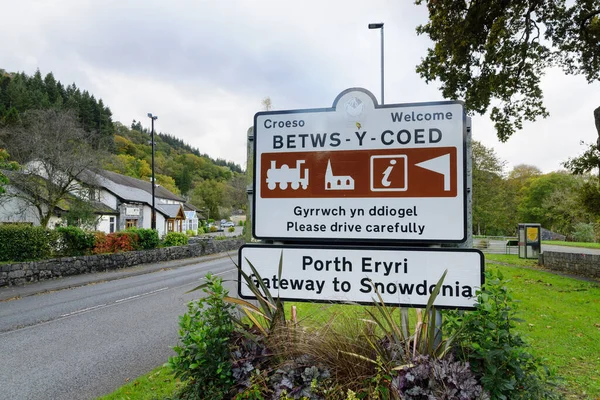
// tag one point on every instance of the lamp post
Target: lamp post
(379, 25)
(153, 218)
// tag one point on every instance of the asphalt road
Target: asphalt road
(87, 341)
(567, 249)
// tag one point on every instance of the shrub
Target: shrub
(428, 378)
(241, 223)
(175, 239)
(74, 241)
(482, 244)
(376, 357)
(203, 355)
(190, 232)
(231, 229)
(115, 242)
(299, 379)
(24, 242)
(201, 231)
(583, 232)
(213, 229)
(487, 340)
(147, 238)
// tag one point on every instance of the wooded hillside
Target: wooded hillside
(217, 185)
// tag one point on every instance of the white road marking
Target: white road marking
(143, 294)
(83, 310)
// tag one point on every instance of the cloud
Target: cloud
(204, 66)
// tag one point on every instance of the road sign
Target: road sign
(403, 277)
(361, 172)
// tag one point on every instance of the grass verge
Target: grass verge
(561, 320)
(157, 384)
(572, 244)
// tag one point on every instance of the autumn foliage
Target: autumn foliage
(115, 242)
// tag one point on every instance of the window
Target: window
(131, 223)
(170, 225)
(112, 223)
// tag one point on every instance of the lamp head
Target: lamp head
(376, 25)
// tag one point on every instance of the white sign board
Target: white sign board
(132, 211)
(403, 277)
(361, 171)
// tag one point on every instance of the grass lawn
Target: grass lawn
(561, 320)
(155, 385)
(573, 244)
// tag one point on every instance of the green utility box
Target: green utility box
(530, 240)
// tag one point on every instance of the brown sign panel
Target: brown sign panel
(413, 172)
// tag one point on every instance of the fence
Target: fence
(496, 244)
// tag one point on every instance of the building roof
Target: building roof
(189, 207)
(171, 210)
(159, 191)
(132, 190)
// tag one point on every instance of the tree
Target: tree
(490, 214)
(6, 166)
(522, 172)
(55, 153)
(130, 166)
(267, 104)
(184, 180)
(236, 192)
(167, 182)
(590, 159)
(547, 198)
(209, 194)
(499, 50)
(589, 195)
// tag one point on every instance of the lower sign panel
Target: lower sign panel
(403, 277)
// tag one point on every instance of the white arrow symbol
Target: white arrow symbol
(441, 165)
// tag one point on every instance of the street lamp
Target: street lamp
(153, 219)
(379, 25)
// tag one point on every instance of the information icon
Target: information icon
(389, 173)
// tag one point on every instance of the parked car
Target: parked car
(227, 224)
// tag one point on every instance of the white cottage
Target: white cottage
(119, 201)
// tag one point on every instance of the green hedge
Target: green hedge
(175, 239)
(74, 241)
(22, 243)
(147, 238)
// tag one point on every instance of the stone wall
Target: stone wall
(33, 271)
(587, 265)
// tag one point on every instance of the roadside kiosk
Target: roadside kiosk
(530, 240)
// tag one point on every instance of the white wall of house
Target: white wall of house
(147, 217)
(108, 198)
(161, 224)
(16, 210)
(107, 224)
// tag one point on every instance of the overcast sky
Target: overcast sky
(204, 66)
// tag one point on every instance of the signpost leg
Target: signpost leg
(438, 328)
